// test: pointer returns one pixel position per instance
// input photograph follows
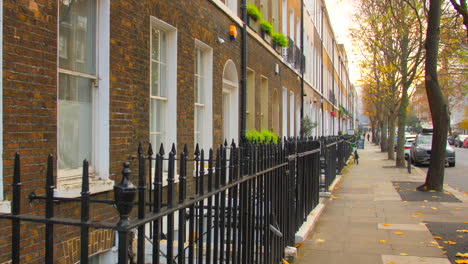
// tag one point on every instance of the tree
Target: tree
(437, 103)
(462, 10)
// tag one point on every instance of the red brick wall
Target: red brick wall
(30, 95)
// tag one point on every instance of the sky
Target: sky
(340, 13)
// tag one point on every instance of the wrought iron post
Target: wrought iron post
(124, 195)
(15, 210)
(84, 213)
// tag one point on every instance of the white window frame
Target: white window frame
(100, 141)
(232, 4)
(171, 81)
(207, 130)
(285, 112)
(292, 113)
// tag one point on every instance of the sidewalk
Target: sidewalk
(367, 222)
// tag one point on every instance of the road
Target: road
(457, 176)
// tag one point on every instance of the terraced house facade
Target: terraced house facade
(92, 79)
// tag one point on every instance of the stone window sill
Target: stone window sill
(5, 207)
(72, 189)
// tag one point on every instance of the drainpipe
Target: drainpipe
(333, 84)
(302, 61)
(321, 79)
(243, 93)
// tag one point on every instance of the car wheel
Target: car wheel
(416, 163)
(452, 164)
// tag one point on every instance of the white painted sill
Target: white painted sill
(5, 207)
(72, 189)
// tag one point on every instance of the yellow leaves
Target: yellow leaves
(450, 242)
(399, 233)
(335, 197)
(462, 231)
(383, 241)
(319, 240)
(437, 237)
(386, 224)
(460, 255)
(298, 245)
(461, 261)
(285, 262)
(434, 208)
(403, 254)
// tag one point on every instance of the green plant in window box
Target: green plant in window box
(280, 40)
(267, 30)
(266, 27)
(254, 13)
(254, 17)
(266, 136)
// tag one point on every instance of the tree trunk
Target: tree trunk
(391, 137)
(383, 135)
(437, 104)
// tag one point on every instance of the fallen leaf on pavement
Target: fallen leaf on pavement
(440, 247)
(423, 224)
(386, 224)
(319, 240)
(460, 255)
(383, 241)
(403, 254)
(434, 208)
(399, 233)
(298, 245)
(419, 213)
(414, 216)
(437, 237)
(335, 197)
(461, 261)
(462, 231)
(450, 242)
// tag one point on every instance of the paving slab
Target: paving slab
(392, 259)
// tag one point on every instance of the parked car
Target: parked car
(408, 143)
(451, 139)
(458, 142)
(421, 151)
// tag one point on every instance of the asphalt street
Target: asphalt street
(457, 176)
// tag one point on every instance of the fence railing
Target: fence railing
(248, 203)
(335, 151)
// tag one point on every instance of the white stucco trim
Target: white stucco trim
(171, 110)
(208, 115)
(101, 144)
(101, 133)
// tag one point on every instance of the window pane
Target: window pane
(155, 79)
(155, 44)
(199, 122)
(162, 80)
(163, 47)
(77, 36)
(157, 115)
(74, 121)
(156, 141)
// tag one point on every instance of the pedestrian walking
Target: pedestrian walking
(356, 157)
(368, 137)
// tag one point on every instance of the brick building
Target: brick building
(91, 79)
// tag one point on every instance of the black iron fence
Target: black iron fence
(335, 151)
(248, 203)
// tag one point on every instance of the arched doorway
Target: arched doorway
(230, 102)
(276, 113)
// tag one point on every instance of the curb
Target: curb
(313, 217)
